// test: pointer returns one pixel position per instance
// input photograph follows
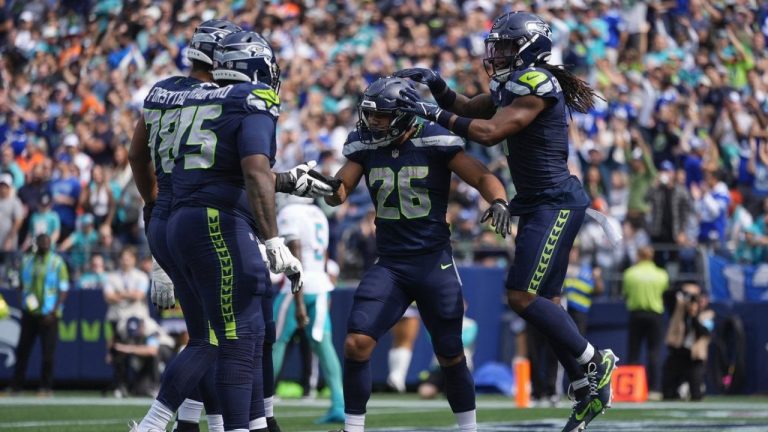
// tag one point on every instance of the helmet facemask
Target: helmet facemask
(502, 56)
(371, 132)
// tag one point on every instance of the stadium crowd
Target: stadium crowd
(676, 154)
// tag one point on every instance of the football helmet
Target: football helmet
(248, 57)
(206, 39)
(381, 97)
(517, 40)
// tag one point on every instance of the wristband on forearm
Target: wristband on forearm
(284, 182)
(460, 125)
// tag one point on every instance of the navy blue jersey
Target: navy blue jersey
(538, 154)
(161, 115)
(409, 186)
(222, 125)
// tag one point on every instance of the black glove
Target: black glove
(498, 213)
(429, 77)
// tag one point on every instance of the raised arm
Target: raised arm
(479, 106)
(350, 174)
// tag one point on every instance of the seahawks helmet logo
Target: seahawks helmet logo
(538, 27)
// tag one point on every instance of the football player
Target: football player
(305, 229)
(528, 111)
(408, 168)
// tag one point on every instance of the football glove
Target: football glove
(303, 181)
(429, 77)
(425, 110)
(498, 214)
(161, 291)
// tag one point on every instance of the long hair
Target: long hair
(579, 96)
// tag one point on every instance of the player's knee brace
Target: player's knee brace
(236, 361)
(449, 347)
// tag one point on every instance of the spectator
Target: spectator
(44, 221)
(44, 287)
(126, 290)
(81, 243)
(138, 355)
(8, 165)
(11, 218)
(65, 192)
(644, 286)
(95, 276)
(98, 199)
(670, 210)
(109, 247)
(641, 178)
(688, 336)
(582, 283)
(711, 201)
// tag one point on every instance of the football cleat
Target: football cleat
(272, 425)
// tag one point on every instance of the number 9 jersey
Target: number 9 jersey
(409, 185)
(220, 126)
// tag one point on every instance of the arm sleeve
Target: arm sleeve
(257, 132)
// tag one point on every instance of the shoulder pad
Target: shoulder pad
(434, 135)
(536, 81)
(353, 144)
(259, 98)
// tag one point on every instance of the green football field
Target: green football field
(85, 413)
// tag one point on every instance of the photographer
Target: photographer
(688, 339)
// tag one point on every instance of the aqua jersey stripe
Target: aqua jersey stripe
(227, 273)
(546, 253)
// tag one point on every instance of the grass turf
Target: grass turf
(70, 412)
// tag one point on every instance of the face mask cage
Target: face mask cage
(370, 134)
(501, 56)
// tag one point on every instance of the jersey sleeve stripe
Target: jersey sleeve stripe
(439, 141)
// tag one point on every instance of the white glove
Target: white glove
(282, 261)
(311, 184)
(161, 291)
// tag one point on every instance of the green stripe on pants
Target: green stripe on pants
(546, 253)
(227, 273)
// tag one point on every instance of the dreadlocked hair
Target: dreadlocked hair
(579, 96)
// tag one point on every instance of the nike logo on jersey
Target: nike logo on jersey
(445, 266)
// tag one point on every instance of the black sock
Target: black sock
(186, 426)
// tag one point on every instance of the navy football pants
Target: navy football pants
(218, 254)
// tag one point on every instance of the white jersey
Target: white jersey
(307, 224)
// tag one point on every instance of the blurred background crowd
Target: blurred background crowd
(676, 154)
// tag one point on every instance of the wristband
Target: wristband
(461, 126)
(284, 182)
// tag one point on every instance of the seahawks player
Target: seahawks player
(527, 110)
(151, 157)
(305, 229)
(408, 168)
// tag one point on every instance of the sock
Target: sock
(237, 430)
(467, 421)
(354, 423)
(357, 388)
(399, 361)
(234, 375)
(269, 406)
(580, 388)
(189, 411)
(572, 367)
(157, 417)
(215, 423)
(331, 367)
(459, 387)
(257, 382)
(185, 372)
(551, 320)
(259, 423)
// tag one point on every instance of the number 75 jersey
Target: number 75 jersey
(218, 127)
(409, 185)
